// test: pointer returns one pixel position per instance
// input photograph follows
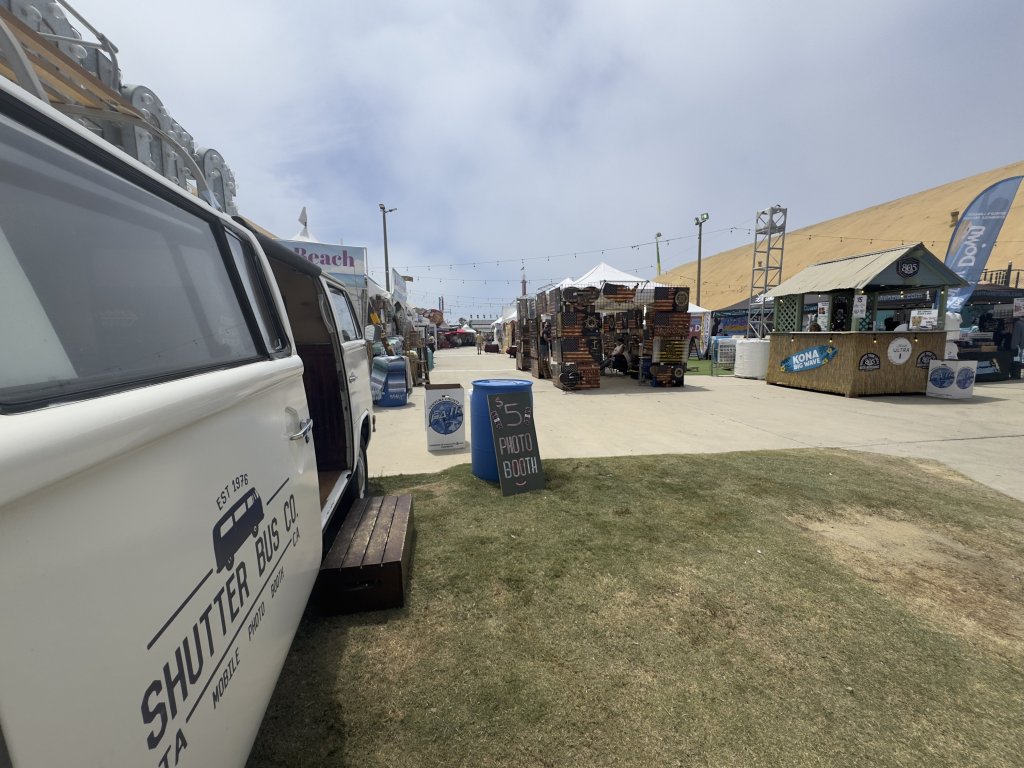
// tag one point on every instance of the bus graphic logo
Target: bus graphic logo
(238, 522)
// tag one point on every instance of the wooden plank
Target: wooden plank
(361, 537)
(396, 545)
(340, 545)
(381, 531)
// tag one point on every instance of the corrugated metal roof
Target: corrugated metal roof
(859, 272)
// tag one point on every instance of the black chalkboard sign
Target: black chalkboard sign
(515, 442)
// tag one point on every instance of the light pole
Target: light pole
(699, 221)
(387, 267)
(657, 250)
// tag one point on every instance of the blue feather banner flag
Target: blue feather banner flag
(975, 235)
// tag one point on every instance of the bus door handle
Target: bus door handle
(305, 427)
(352, 377)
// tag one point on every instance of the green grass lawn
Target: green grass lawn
(790, 608)
(699, 367)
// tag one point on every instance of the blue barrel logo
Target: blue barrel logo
(965, 378)
(446, 415)
(942, 377)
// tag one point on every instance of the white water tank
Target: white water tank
(751, 358)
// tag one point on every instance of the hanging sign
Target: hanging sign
(808, 359)
(860, 305)
(515, 442)
(908, 266)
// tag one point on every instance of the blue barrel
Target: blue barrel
(485, 463)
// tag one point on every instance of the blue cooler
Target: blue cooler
(388, 381)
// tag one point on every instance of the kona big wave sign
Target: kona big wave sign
(808, 359)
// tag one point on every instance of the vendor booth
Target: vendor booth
(873, 330)
(653, 323)
(528, 340)
(986, 331)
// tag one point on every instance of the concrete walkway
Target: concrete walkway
(982, 437)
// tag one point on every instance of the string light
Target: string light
(480, 301)
(726, 230)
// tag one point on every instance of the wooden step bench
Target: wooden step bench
(367, 566)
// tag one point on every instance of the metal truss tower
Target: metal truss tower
(766, 273)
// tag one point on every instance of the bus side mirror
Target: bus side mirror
(372, 333)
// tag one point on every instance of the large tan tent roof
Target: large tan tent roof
(921, 217)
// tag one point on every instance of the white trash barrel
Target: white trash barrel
(751, 358)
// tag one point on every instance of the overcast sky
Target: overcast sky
(512, 133)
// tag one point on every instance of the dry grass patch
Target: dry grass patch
(962, 581)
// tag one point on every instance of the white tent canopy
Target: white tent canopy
(606, 273)
(552, 286)
(510, 314)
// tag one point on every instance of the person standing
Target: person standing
(545, 340)
(479, 343)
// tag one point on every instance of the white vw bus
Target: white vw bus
(182, 411)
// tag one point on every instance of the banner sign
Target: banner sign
(808, 359)
(515, 442)
(333, 259)
(398, 288)
(906, 298)
(975, 236)
(444, 416)
(924, 319)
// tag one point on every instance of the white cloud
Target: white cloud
(504, 130)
